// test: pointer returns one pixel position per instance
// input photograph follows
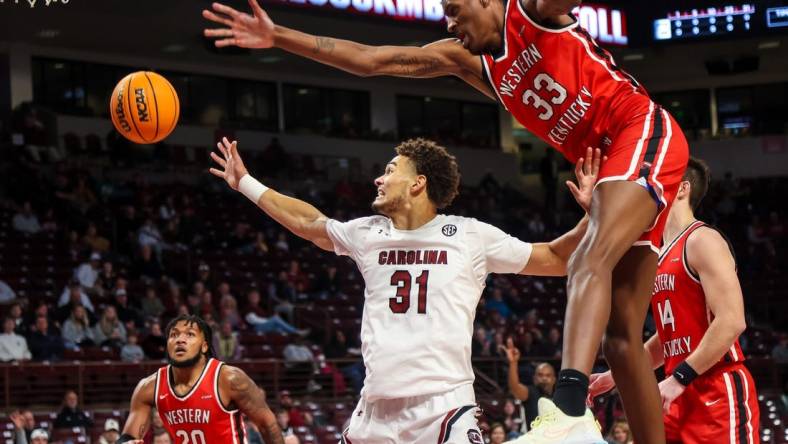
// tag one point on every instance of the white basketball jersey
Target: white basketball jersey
(422, 289)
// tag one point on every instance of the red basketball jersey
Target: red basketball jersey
(560, 85)
(198, 417)
(679, 305)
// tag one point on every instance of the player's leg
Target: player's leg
(633, 282)
(621, 211)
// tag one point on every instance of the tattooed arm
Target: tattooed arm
(442, 58)
(142, 402)
(238, 390)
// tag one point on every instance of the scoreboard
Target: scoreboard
(705, 22)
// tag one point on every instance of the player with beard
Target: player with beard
(200, 400)
(424, 274)
(549, 73)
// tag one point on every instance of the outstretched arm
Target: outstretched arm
(237, 388)
(301, 218)
(142, 402)
(257, 30)
(550, 258)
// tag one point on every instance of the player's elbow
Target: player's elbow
(738, 325)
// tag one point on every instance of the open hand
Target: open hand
(231, 161)
(587, 173)
(242, 29)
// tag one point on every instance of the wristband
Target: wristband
(684, 374)
(251, 188)
(125, 438)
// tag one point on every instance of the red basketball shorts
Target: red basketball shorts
(719, 407)
(648, 148)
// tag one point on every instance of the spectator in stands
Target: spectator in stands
(95, 241)
(71, 415)
(83, 197)
(329, 282)
(228, 311)
(7, 294)
(543, 383)
(253, 435)
(296, 417)
(16, 314)
(24, 425)
(26, 221)
(39, 436)
(496, 303)
(87, 273)
(147, 265)
(111, 432)
(298, 354)
(107, 278)
(131, 351)
(204, 275)
(150, 236)
(45, 344)
(127, 314)
(481, 344)
(497, 433)
(296, 276)
(338, 348)
(514, 418)
(619, 433)
(255, 317)
(226, 343)
(76, 330)
(162, 437)
(553, 346)
(283, 294)
(73, 295)
(13, 347)
(109, 331)
(167, 209)
(155, 344)
(152, 307)
(281, 242)
(288, 431)
(780, 351)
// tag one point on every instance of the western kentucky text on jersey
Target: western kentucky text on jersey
(560, 84)
(198, 417)
(679, 305)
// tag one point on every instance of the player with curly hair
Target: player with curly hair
(424, 274)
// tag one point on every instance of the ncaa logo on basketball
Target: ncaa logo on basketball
(449, 230)
(474, 437)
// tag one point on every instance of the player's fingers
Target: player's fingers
(212, 16)
(579, 168)
(596, 162)
(217, 173)
(224, 9)
(587, 165)
(222, 32)
(218, 160)
(234, 148)
(223, 151)
(573, 188)
(226, 42)
(258, 11)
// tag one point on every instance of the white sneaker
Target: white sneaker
(552, 426)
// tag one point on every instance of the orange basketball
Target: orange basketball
(144, 107)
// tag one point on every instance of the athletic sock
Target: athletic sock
(571, 391)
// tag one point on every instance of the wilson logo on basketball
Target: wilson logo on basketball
(120, 114)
